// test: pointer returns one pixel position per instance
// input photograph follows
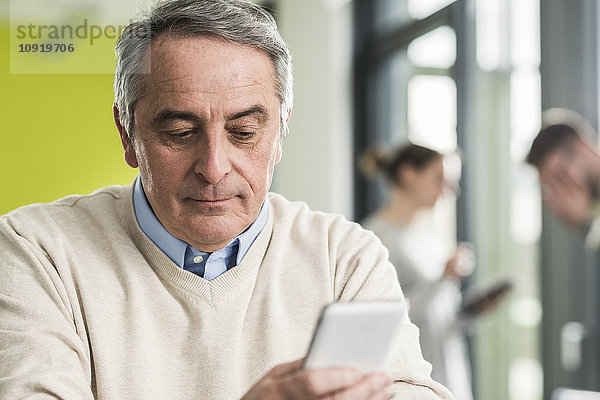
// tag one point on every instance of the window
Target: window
(437, 73)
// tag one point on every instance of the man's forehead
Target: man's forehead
(201, 69)
(213, 63)
(189, 91)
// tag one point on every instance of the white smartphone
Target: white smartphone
(355, 334)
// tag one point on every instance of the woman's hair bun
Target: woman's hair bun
(374, 161)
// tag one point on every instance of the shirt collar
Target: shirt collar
(248, 237)
(175, 248)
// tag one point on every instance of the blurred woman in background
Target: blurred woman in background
(415, 175)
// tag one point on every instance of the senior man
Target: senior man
(193, 282)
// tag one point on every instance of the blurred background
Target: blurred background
(467, 74)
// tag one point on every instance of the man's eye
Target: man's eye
(243, 135)
(182, 134)
(179, 134)
(178, 137)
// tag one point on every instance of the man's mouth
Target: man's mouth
(214, 202)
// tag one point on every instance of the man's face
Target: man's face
(206, 137)
(563, 167)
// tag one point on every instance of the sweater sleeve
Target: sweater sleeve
(363, 272)
(41, 353)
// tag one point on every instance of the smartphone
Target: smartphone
(355, 334)
(482, 296)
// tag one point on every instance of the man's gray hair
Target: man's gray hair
(237, 21)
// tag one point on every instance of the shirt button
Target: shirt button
(198, 259)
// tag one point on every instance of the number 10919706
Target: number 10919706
(46, 48)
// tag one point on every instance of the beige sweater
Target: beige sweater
(91, 308)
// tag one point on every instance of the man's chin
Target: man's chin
(211, 233)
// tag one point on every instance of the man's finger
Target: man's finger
(313, 383)
(370, 387)
(285, 369)
(572, 207)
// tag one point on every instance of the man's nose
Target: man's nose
(213, 159)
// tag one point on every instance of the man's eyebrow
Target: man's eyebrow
(258, 111)
(170, 115)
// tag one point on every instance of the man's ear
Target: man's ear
(280, 139)
(130, 156)
(279, 149)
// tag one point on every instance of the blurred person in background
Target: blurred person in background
(568, 164)
(431, 283)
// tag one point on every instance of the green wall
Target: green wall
(57, 136)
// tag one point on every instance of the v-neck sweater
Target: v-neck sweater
(90, 307)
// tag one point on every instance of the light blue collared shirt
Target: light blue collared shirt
(186, 256)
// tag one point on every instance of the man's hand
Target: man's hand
(289, 382)
(568, 199)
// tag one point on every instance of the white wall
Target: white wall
(317, 153)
